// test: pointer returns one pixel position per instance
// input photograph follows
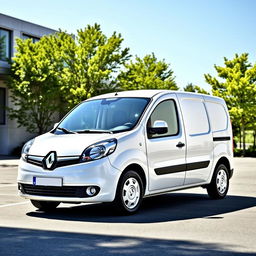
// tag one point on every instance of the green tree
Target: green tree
(195, 88)
(34, 84)
(237, 86)
(252, 127)
(59, 71)
(91, 63)
(147, 73)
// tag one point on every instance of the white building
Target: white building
(11, 28)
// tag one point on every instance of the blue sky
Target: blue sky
(191, 35)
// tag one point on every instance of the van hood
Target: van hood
(65, 144)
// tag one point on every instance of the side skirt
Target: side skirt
(160, 192)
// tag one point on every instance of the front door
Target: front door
(166, 152)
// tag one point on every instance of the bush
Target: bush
(250, 152)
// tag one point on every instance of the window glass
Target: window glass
(5, 44)
(112, 114)
(218, 116)
(2, 105)
(165, 111)
(195, 117)
(34, 39)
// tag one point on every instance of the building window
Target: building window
(33, 38)
(5, 44)
(2, 105)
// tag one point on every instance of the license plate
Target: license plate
(45, 181)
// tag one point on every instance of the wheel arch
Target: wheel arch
(137, 168)
(224, 160)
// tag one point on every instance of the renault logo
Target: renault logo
(50, 160)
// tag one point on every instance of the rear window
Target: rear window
(218, 116)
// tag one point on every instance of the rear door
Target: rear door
(166, 152)
(199, 155)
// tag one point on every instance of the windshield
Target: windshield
(104, 115)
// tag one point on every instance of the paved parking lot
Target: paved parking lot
(179, 223)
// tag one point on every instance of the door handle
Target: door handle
(180, 145)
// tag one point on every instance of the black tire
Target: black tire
(129, 193)
(45, 206)
(218, 188)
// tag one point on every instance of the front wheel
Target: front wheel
(218, 188)
(129, 193)
(45, 206)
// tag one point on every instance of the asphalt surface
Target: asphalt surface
(180, 223)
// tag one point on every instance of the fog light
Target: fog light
(91, 191)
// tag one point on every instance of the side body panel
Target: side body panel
(221, 130)
(131, 149)
(199, 156)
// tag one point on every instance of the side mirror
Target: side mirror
(55, 125)
(159, 127)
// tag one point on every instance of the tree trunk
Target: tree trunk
(240, 138)
(254, 139)
(243, 137)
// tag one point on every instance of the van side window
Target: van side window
(165, 111)
(195, 117)
(218, 116)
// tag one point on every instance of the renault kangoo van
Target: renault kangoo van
(122, 147)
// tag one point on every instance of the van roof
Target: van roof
(151, 93)
(132, 93)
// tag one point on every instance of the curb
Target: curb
(11, 162)
(8, 165)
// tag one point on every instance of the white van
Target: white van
(122, 147)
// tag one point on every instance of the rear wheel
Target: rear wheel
(45, 206)
(218, 188)
(129, 193)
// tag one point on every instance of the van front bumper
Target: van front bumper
(99, 174)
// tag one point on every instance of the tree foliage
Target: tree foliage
(60, 71)
(237, 86)
(195, 88)
(34, 84)
(147, 73)
(92, 60)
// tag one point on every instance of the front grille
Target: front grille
(65, 191)
(35, 162)
(67, 162)
(61, 161)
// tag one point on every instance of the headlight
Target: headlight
(99, 150)
(26, 148)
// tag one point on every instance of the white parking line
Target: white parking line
(14, 204)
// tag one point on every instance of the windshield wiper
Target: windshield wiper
(94, 131)
(66, 130)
